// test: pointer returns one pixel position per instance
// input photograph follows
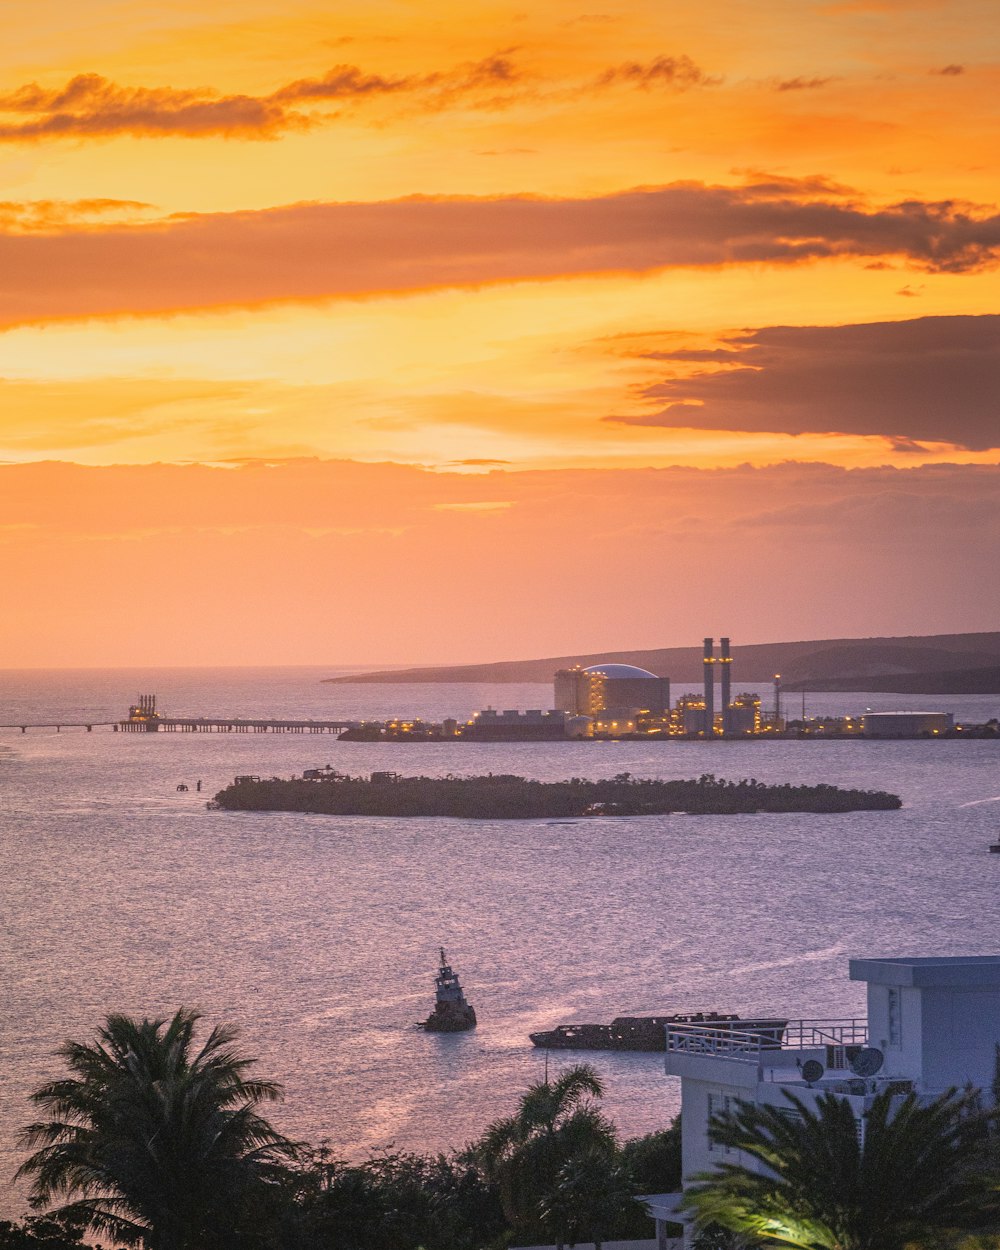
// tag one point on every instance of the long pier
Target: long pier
(193, 724)
(143, 718)
(223, 725)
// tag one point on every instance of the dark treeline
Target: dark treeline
(502, 796)
(156, 1140)
(405, 1201)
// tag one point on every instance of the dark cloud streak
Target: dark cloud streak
(91, 105)
(932, 379)
(311, 251)
(802, 84)
(677, 72)
(343, 81)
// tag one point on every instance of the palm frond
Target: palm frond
(148, 1129)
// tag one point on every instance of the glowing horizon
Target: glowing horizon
(520, 250)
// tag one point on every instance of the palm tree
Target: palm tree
(593, 1196)
(918, 1177)
(159, 1142)
(557, 1123)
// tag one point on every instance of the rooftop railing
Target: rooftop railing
(753, 1045)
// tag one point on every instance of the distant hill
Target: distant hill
(970, 661)
(955, 681)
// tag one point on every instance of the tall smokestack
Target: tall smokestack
(726, 660)
(708, 664)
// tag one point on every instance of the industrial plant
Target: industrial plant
(602, 701)
(609, 700)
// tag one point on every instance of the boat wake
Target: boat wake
(807, 957)
(979, 802)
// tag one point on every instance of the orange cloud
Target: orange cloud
(801, 84)
(91, 105)
(343, 82)
(677, 72)
(42, 215)
(319, 250)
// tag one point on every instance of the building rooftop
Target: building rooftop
(766, 1050)
(619, 672)
(913, 713)
(936, 970)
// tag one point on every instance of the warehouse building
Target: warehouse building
(906, 724)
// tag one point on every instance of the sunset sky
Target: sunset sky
(419, 332)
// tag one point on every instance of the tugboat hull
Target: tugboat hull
(450, 1020)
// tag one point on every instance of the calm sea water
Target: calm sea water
(318, 935)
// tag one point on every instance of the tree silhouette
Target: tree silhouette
(157, 1142)
(557, 1126)
(592, 1196)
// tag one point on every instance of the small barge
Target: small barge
(452, 1012)
(649, 1032)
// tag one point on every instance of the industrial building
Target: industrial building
(513, 726)
(689, 715)
(737, 717)
(603, 687)
(620, 699)
(746, 715)
(932, 1025)
(906, 724)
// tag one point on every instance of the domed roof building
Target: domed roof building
(623, 672)
(605, 687)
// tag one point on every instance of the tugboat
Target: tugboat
(451, 1014)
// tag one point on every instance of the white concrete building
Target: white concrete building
(932, 1024)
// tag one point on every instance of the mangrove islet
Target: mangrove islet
(507, 797)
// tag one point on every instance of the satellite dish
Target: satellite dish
(812, 1070)
(867, 1061)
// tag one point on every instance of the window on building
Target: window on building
(714, 1108)
(719, 1104)
(895, 1021)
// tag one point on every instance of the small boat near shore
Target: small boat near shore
(649, 1033)
(452, 1012)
